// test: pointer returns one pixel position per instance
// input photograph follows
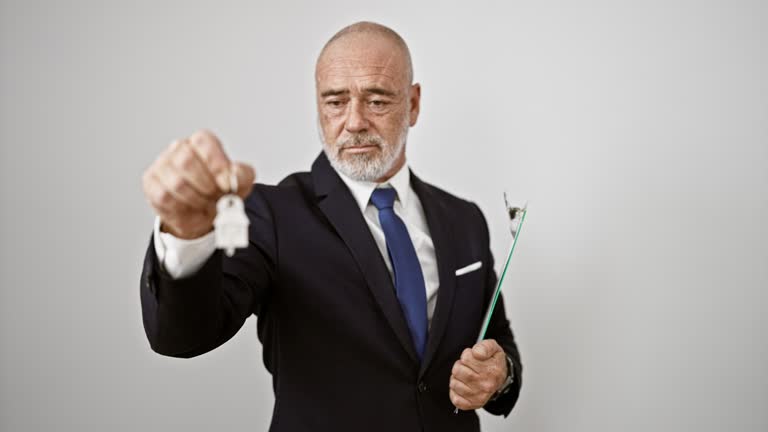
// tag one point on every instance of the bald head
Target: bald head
(367, 34)
(366, 101)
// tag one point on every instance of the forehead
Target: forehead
(361, 59)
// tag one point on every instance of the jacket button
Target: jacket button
(422, 387)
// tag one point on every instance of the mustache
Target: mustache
(360, 140)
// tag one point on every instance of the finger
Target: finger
(460, 402)
(465, 374)
(209, 149)
(458, 374)
(468, 359)
(485, 349)
(180, 188)
(187, 163)
(478, 384)
(245, 178)
(462, 389)
(164, 203)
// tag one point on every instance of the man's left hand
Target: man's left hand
(477, 375)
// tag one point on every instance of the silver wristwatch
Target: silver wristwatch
(507, 383)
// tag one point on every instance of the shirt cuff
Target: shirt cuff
(179, 257)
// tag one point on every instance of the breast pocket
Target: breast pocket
(470, 278)
(468, 303)
(475, 266)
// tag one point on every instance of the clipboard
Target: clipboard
(517, 217)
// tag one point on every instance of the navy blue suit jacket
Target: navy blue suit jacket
(335, 339)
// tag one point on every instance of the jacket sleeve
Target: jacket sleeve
(192, 315)
(499, 329)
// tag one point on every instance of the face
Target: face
(365, 105)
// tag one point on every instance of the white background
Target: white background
(638, 131)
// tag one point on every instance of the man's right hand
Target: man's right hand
(187, 179)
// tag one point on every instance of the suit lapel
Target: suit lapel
(439, 229)
(339, 207)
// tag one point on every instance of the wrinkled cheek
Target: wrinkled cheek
(331, 130)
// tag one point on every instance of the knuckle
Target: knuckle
(186, 163)
(199, 134)
(452, 384)
(198, 139)
(206, 134)
(455, 368)
(185, 160)
(164, 197)
(178, 183)
(204, 137)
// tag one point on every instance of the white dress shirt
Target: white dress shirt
(182, 258)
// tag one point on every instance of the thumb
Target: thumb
(245, 177)
(485, 349)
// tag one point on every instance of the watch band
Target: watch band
(507, 383)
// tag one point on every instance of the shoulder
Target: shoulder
(296, 184)
(459, 207)
(271, 208)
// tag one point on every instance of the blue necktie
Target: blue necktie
(409, 281)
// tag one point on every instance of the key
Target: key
(231, 222)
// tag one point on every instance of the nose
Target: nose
(356, 120)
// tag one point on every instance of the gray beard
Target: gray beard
(367, 167)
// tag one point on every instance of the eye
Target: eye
(335, 105)
(378, 104)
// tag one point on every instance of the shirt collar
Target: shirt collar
(362, 190)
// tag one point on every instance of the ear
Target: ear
(415, 100)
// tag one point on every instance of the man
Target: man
(369, 284)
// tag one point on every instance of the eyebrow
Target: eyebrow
(379, 91)
(333, 92)
(370, 90)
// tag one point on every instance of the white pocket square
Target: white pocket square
(470, 268)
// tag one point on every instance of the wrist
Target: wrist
(185, 234)
(508, 380)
